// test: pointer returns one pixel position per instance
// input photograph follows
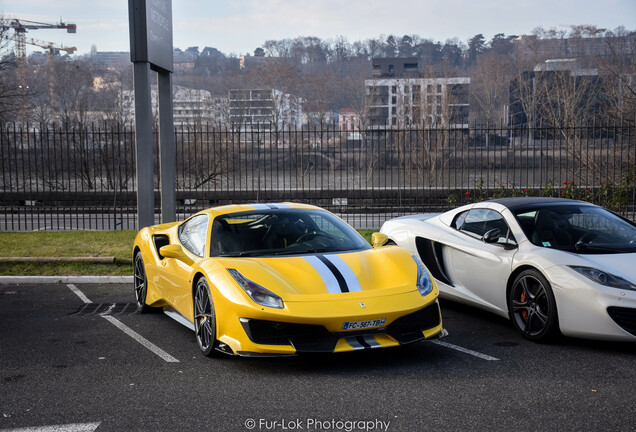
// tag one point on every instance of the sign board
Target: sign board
(151, 32)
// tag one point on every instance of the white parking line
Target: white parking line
(79, 293)
(465, 350)
(72, 427)
(130, 332)
(136, 336)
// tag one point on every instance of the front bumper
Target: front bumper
(592, 311)
(291, 338)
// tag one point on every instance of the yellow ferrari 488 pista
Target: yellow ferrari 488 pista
(281, 279)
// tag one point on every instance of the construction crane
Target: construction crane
(51, 47)
(20, 27)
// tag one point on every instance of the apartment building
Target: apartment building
(395, 67)
(558, 90)
(408, 102)
(190, 107)
(264, 109)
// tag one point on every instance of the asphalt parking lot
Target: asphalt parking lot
(68, 363)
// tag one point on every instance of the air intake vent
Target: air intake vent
(624, 317)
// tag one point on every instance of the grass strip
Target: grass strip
(73, 244)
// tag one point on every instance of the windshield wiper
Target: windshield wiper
(241, 254)
(590, 248)
(304, 251)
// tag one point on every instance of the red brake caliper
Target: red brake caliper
(524, 314)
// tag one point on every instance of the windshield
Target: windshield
(576, 228)
(282, 232)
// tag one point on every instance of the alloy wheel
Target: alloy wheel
(140, 282)
(204, 319)
(532, 306)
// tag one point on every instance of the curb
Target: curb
(16, 280)
(47, 260)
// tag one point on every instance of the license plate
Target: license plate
(357, 325)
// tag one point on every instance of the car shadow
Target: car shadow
(452, 311)
(409, 359)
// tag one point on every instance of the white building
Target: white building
(409, 102)
(264, 109)
(190, 107)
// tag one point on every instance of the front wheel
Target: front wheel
(532, 307)
(140, 283)
(204, 318)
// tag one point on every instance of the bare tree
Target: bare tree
(72, 92)
(618, 69)
(490, 88)
(205, 161)
(112, 89)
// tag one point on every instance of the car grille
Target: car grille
(316, 338)
(409, 328)
(280, 333)
(624, 317)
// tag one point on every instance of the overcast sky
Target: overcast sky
(240, 26)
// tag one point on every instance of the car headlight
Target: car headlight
(604, 278)
(259, 294)
(424, 282)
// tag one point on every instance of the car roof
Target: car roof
(239, 208)
(512, 203)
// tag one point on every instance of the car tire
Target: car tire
(204, 318)
(140, 281)
(532, 307)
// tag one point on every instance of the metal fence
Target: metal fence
(59, 179)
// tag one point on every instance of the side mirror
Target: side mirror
(175, 251)
(378, 239)
(492, 236)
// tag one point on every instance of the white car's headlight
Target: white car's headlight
(424, 282)
(259, 294)
(604, 278)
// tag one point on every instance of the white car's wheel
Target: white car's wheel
(532, 307)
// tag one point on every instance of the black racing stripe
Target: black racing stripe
(362, 342)
(339, 277)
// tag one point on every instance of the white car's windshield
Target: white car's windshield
(576, 228)
(282, 232)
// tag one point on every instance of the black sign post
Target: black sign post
(151, 48)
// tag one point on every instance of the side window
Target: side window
(479, 221)
(459, 219)
(193, 233)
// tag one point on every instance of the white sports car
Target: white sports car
(548, 264)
